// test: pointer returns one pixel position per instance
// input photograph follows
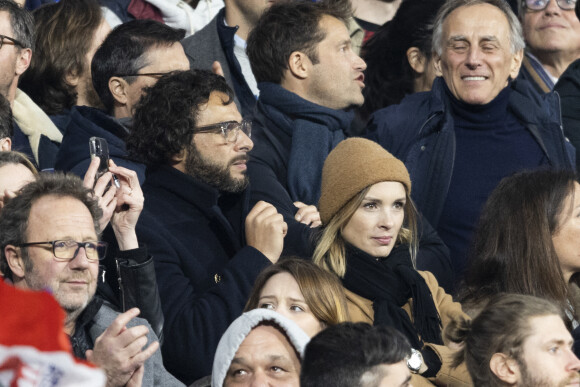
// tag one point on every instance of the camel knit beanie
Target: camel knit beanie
(353, 165)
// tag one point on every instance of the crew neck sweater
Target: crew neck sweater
(490, 145)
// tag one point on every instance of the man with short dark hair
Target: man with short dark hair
(517, 340)
(223, 40)
(307, 73)
(207, 244)
(475, 126)
(356, 355)
(132, 57)
(49, 239)
(552, 33)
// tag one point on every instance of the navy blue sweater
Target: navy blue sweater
(491, 144)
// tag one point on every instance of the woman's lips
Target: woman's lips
(385, 240)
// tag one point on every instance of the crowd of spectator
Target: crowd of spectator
(290, 193)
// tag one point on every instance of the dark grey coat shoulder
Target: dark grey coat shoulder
(155, 372)
(204, 47)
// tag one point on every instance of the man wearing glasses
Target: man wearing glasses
(207, 244)
(552, 34)
(132, 57)
(34, 132)
(49, 241)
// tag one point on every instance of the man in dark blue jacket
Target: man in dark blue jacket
(308, 75)
(132, 57)
(207, 245)
(475, 126)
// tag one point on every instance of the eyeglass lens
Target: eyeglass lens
(538, 5)
(232, 130)
(70, 249)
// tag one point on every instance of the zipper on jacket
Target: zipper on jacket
(427, 121)
(120, 281)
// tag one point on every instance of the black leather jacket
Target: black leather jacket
(135, 287)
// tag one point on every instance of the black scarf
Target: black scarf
(390, 282)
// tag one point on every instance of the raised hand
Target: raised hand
(120, 351)
(265, 230)
(308, 215)
(129, 206)
(104, 191)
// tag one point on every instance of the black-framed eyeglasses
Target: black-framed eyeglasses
(8, 40)
(539, 5)
(229, 129)
(67, 250)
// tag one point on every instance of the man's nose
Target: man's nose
(260, 379)
(473, 58)
(573, 362)
(80, 260)
(244, 142)
(552, 7)
(359, 63)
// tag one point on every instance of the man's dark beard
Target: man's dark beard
(215, 175)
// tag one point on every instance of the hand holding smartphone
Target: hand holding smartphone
(98, 147)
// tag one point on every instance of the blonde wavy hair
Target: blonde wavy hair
(330, 252)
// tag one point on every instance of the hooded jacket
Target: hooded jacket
(241, 328)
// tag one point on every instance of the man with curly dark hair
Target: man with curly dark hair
(208, 247)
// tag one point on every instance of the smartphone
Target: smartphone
(98, 147)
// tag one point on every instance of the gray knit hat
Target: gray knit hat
(241, 328)
(353, 165)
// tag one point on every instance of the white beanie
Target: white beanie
(241, 328)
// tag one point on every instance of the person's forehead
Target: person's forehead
(546, 329)
(477, 20)
(267, 342)
(56, 215)
(5, 24)
(335, 30)
(166, 56)
(215, 110)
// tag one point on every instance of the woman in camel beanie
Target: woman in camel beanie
(369, 239)
(354, 164)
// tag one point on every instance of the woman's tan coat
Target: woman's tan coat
(361, 310)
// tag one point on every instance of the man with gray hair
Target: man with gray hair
(476, 125)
